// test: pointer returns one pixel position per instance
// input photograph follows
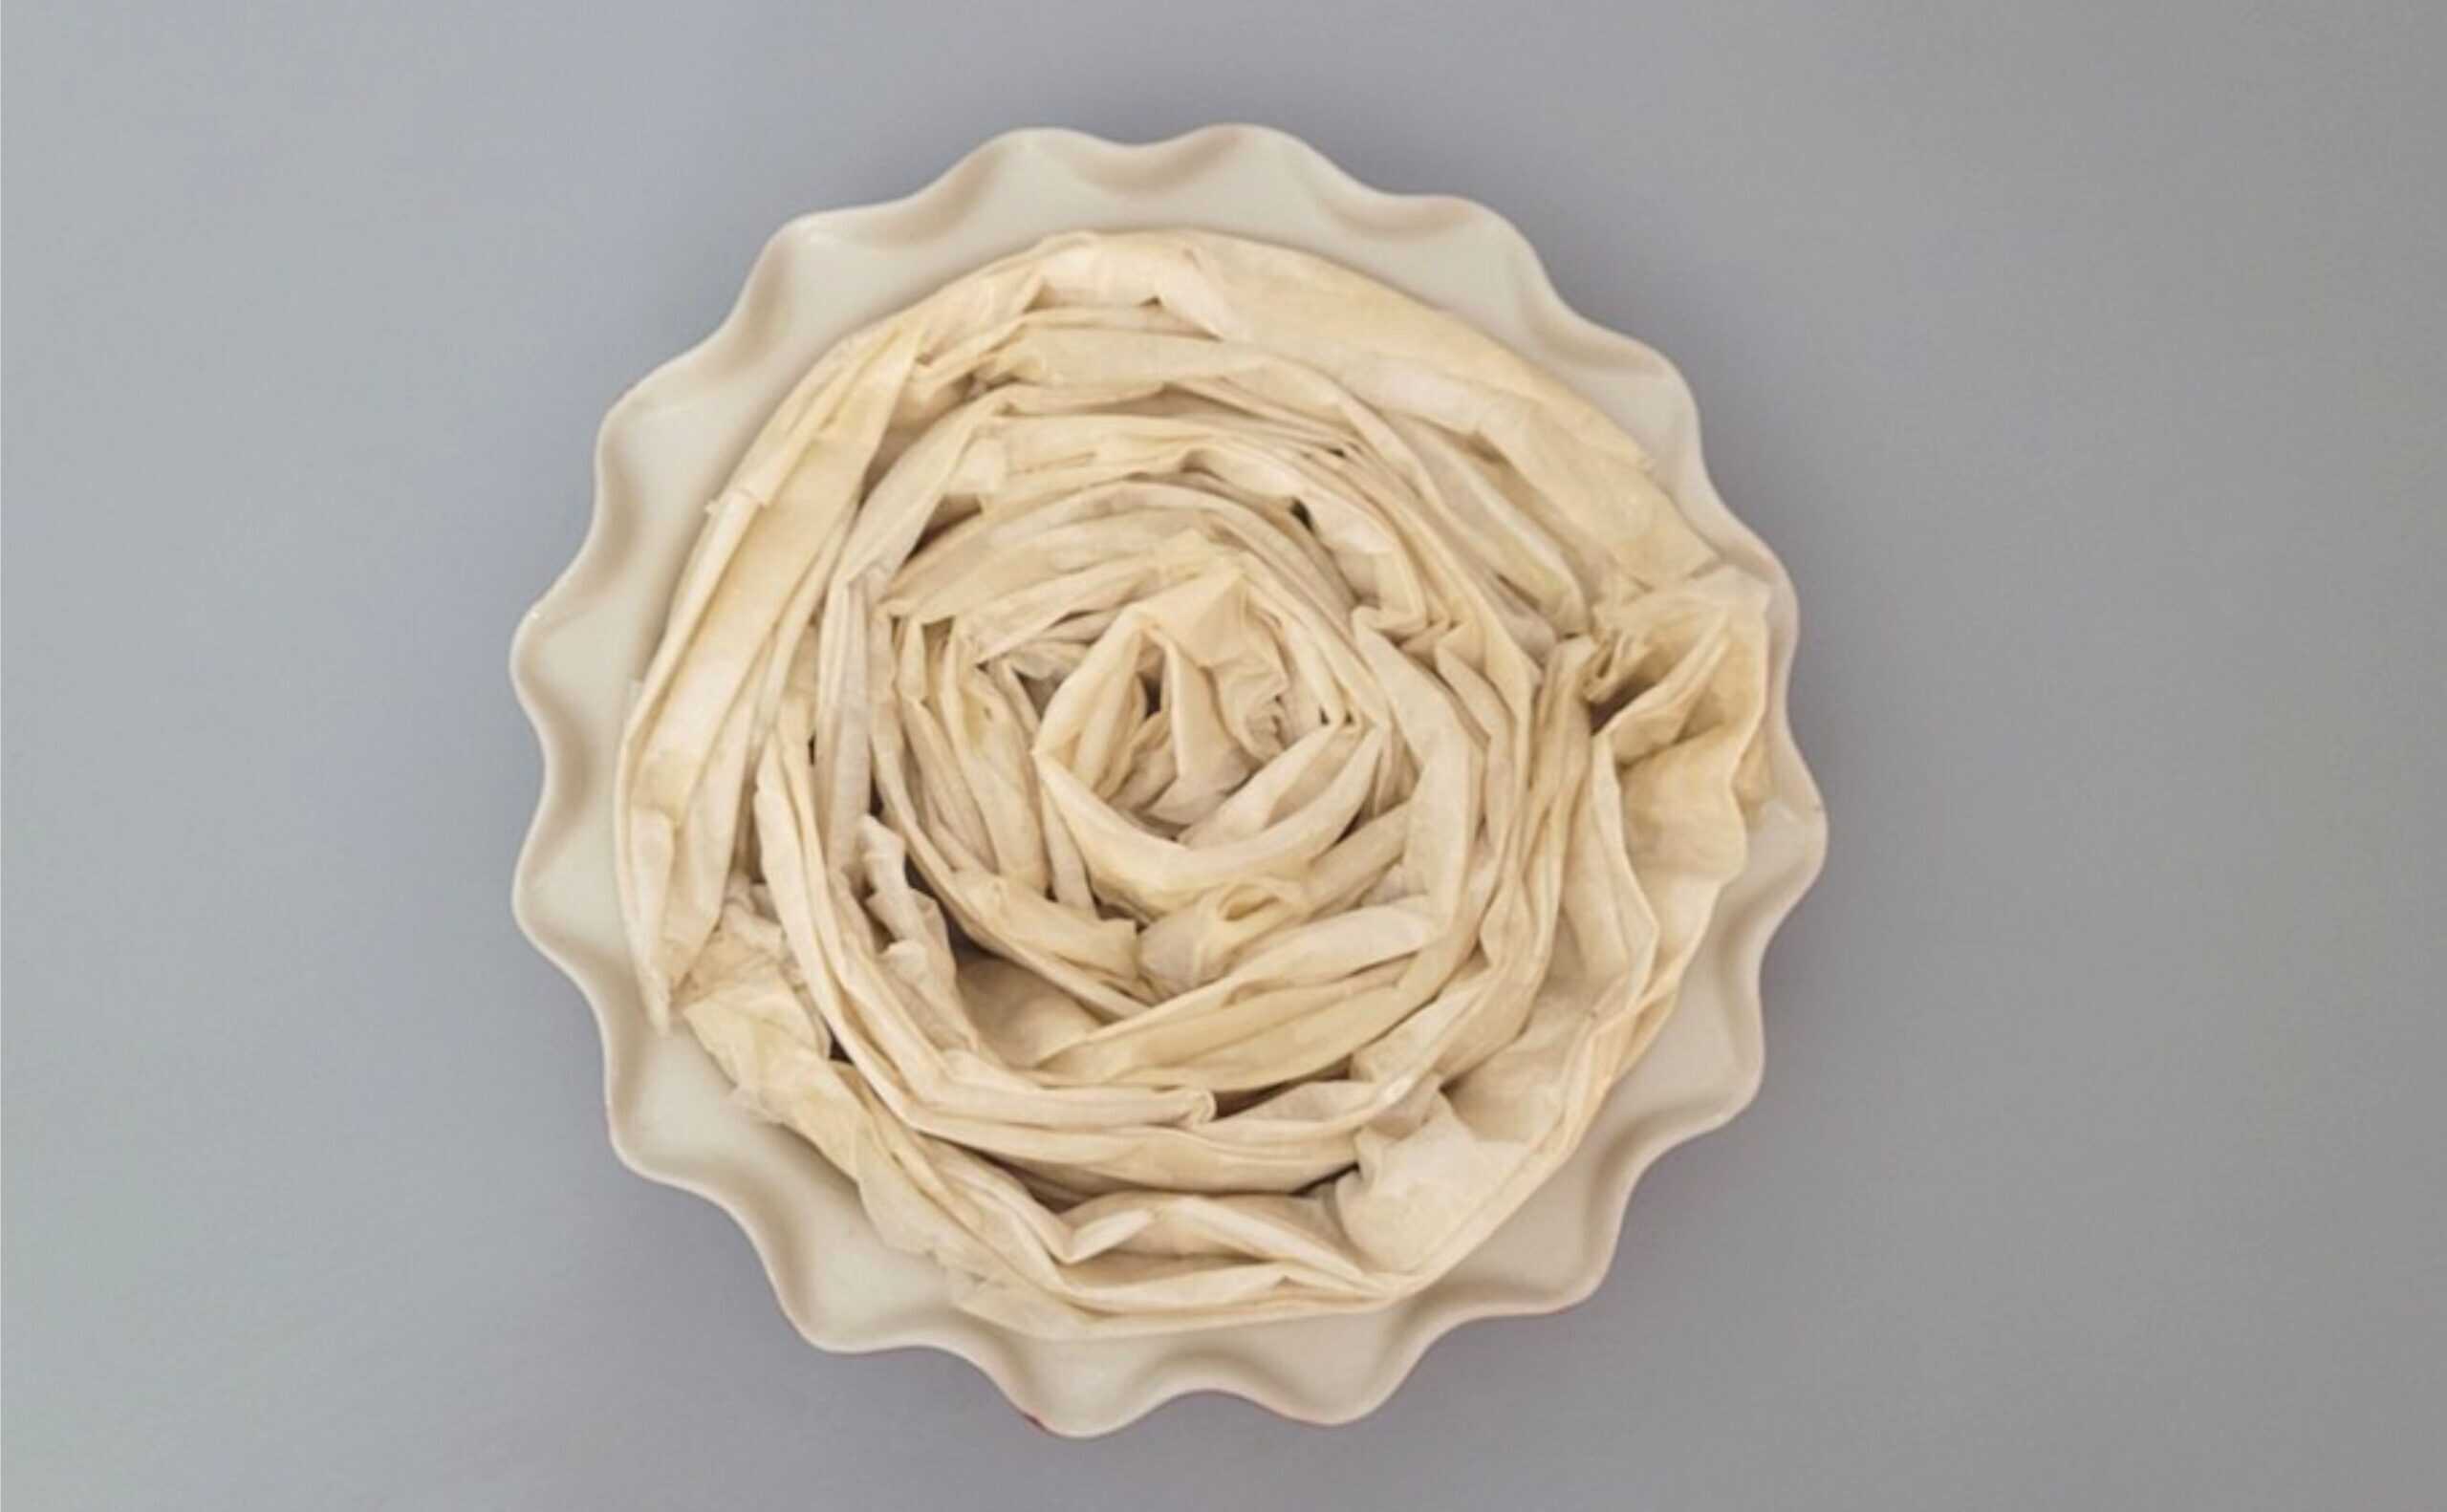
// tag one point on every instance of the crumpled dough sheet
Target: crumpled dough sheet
(1187, 775)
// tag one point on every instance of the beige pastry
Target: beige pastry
(1186, 774)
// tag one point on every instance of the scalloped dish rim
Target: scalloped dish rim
(574, 652)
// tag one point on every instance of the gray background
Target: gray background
(2085, 364)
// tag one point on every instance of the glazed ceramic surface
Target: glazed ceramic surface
(666, 448)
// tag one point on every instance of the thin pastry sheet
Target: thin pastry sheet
(1186, 774)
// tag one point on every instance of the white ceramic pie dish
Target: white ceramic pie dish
(666, 448)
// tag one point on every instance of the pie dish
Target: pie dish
(668, 448)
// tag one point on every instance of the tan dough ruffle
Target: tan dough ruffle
(1189, 775)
